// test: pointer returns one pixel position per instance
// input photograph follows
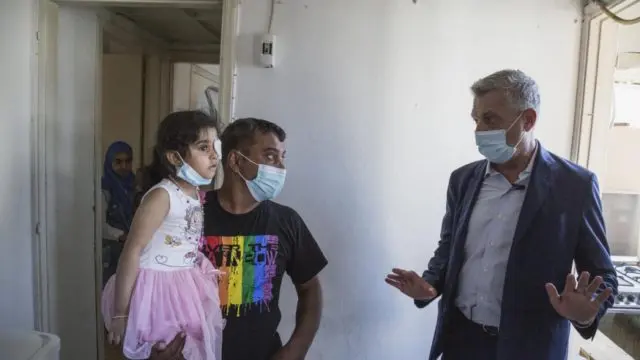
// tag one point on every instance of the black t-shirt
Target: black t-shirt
(254, 250)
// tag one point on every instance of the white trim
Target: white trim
(228, 60)
(140, 3)
(40, 291)
(45, 116)
(585, 97)
(228, 69)
(44, 108)
(582, 90)
(97, 196)
(598, 42)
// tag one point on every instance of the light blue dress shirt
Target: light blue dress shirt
(491, 230)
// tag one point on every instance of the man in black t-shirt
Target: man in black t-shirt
(255, 241)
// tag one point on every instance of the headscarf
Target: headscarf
(121, 189)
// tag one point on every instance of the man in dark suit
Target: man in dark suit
(514, 225)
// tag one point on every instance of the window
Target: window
(626, 104)
(622, 219)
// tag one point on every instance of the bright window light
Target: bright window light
(626, 104)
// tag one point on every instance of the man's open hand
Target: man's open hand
(578, 301)
(411, 284)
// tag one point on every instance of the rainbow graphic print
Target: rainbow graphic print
(249, 266)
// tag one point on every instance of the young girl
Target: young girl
(163, 285)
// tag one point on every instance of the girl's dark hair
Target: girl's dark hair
(175, 133)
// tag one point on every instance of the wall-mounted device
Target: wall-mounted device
(266, 52)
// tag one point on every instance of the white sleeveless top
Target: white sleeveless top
(174, 246)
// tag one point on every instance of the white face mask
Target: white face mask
(268, 183)
(190, 175)
(492, 144)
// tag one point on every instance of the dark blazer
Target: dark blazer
(560, 221)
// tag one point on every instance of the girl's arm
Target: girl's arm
(146, 221)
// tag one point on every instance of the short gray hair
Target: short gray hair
(520, 89)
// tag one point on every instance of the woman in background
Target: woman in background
(118, 190)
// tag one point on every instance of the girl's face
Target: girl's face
(122, 164)
(202, 155)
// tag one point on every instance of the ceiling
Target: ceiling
(180, 33)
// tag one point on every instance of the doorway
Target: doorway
(607, 141)
(607, 131)
(107, 72)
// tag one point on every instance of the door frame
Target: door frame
(598, 43)
(44, 94)
(598, 58)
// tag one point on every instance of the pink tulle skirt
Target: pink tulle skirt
(164, 303)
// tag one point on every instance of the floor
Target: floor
(112, 352)
(624, 330)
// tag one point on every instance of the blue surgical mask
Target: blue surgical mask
(190, 175)
(492, 144)
(268, 183)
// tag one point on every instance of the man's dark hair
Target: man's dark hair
(240, 134)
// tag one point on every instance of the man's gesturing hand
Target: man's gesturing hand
(579, 301)
(411, 284)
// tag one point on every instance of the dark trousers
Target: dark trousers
(466, 340)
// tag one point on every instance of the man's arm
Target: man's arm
(306, 263)
(437, 268)
(308, 314)
(592, 253)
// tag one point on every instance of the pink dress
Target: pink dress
(176, 288)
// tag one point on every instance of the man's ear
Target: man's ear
(530, 117)
(232, 161)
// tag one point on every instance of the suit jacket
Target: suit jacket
(561, 221)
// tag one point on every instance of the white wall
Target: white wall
(374, 96)
(157, 103)
(16, 274)
(629, 38)
(72, 171)
(214, 69)
(122, 102)
(189, 83)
